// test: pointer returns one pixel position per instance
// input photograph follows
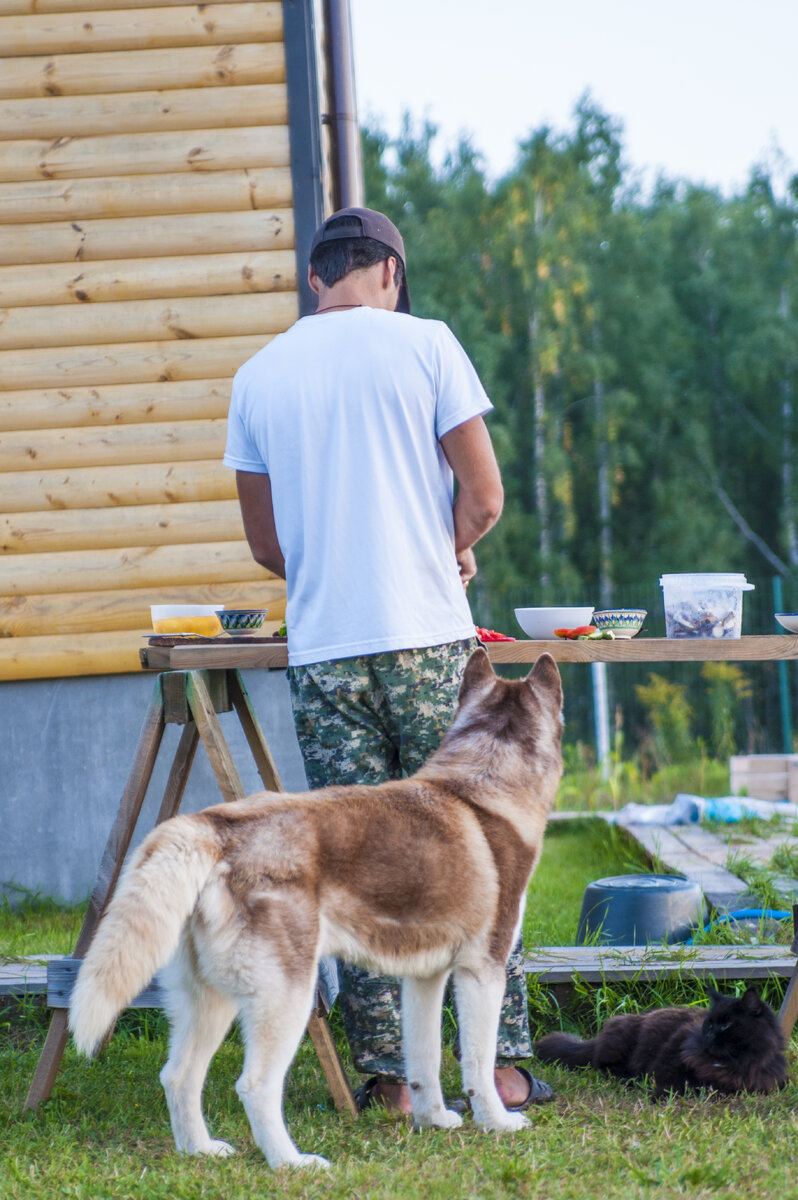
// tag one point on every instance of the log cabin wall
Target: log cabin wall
(147, 249)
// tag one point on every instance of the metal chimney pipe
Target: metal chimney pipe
(348, 186)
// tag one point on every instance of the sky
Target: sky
(704, 89)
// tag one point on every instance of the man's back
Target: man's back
(345, 412)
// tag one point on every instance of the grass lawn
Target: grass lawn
(105, 1132)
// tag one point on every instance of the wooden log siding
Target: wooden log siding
(180, 317)
(142, 70)
(143, 195)
(10, 8)
(122, 404)
(103, 487)
(153, 442)
(126, 154)
(57, 613)
(123, 279)
(146, 251)
(137, 112)
(142, 237)
(141, 29)
(114, 528)
(123, 362)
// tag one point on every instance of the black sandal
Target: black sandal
(365, 1098)
(539, 1092)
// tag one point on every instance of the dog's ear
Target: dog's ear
(478, 672)
(546, 674)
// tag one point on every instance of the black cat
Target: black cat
(735, 1046)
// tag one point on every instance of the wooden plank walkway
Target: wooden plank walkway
(24, 976)
(550, 965)
(695, 852)
(555, 965)
(704, 855)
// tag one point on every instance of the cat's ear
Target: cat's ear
(713, 995)
(752, 1002)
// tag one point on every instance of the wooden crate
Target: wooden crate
(765, 776)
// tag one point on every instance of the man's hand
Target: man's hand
(468, 566)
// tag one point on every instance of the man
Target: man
(345, 433)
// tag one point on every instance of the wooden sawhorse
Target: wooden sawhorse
(191, 699)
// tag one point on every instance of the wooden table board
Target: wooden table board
(223, 652)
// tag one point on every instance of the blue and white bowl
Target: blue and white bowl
(242, 620)
(624, 622)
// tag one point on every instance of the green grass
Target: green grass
(104, 1135)
(583, 788)
(574, 853)
(38, 926)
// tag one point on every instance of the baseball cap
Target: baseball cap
(366, 223)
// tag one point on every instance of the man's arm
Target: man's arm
(480, 495)
(257, 510)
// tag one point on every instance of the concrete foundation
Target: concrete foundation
(66, 750)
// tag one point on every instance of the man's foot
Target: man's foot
(516, 1087)
(394, 1095)
(519, 1090)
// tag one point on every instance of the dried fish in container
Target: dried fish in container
(704, 606)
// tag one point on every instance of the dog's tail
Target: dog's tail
(566, 1049)
(141, 928)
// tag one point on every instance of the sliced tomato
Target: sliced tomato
(582, 631)
(563, 633)
(490, 635)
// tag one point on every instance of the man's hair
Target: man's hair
(331, 261)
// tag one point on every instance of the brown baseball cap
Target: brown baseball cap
(366, 223)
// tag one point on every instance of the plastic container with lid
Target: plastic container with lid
(704, 606)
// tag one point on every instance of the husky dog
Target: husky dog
(421, 878)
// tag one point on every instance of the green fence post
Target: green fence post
(784, 683)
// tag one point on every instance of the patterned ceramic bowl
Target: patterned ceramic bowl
(242, 620)
(624, 622)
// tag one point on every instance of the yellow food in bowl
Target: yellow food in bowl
(202, 626)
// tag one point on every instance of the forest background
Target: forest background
(642, 356)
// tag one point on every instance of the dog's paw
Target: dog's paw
(304, 1161)
(505, 1122)
(442, 1118)
(219, 1149)
(212, 1148)
(449, 1119)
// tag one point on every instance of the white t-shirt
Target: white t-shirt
(344, 412)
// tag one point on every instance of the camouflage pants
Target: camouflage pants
(368, 720)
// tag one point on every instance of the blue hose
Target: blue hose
(747, 914)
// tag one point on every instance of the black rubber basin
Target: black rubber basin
(633, 910)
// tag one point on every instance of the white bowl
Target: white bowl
(788, 621)
(198, 619)
(162, 612)
(539, 623)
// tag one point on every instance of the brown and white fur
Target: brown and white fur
(421, 878)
